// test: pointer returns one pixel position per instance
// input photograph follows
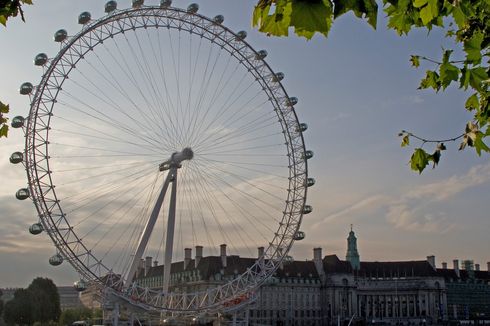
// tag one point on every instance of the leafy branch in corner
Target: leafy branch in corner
(4, 128)
(467, 22)
(12, 8)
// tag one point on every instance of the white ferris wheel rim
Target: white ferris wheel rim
(42, 187)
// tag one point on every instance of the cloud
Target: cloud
(366, 204)
(419, 209)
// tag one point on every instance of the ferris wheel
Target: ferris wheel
(154, 129)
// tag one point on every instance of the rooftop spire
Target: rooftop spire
(352, 255)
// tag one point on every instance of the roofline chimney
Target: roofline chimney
(456, 267)
(432, 261)
(187, 257)
(148, 264)
(198, 255)
(444, 265)
(223, 255)
(477, 267)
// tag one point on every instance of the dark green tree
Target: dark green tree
(467, 22)
(68, 316)
(1, 303)
(45, 299)
(19, 310)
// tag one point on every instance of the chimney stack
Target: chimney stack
(155, 263)
(198, 255)
(488, 266)
(317, 254)
(444, 265)
(223, 255)
(477, 267)
(432, 261)
(147, 264)
(456, 267)
(187, 257)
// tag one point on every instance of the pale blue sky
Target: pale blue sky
(356, 91)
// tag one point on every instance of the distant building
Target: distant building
(327, 291)
(69, 298)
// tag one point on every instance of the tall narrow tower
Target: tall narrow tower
(352, 255)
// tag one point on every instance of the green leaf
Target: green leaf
(405, 141)
(419, 160)
(479, 144)
(472, 47)
(4, 108)
(3, 20)
(459, 17)
(472, 102)
(415, 60)
(419, 3)
(361, 8)
(427, 14)
(311, 17)
(4, 131)
(448, 73)
(431, 80)
(476, 77)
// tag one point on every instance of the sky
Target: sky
(356, 92)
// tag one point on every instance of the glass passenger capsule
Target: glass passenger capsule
(278, 77)
(302, 127)
(41, 59)
(292, 101)
(36, 228)
(219, 19)
(308, 155)
(307, 209)
(16, 157)
(261, 55)
(60, 35)
(165, 3)
(310, 182)
(300, 235)
(241, 35)
(26, 88)
(56, 260)
(138, 3)
(84, 18)
(288, 260)
(80, 285)
(193, 8)
(22, 194)
(17, 122)
(110, 6)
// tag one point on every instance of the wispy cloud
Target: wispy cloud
(408, 211)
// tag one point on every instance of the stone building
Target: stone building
(326, 290)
